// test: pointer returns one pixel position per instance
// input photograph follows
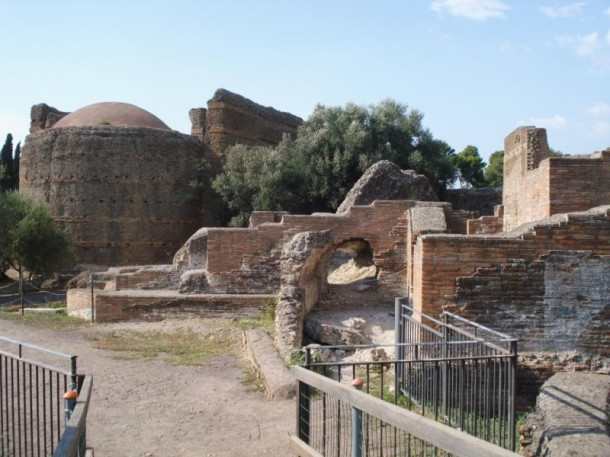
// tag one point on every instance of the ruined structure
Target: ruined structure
(118, 179)
(536, 271)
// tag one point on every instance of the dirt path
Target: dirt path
(154, 409)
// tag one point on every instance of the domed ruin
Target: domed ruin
(117, 178)
(112, 113)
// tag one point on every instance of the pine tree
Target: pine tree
(6, 159)
(16, 159)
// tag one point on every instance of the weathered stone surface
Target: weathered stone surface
(44, 116)
(386, 181)
(323, 333)
(194, 282)
(264, 357)
(570, 418)
(300, 286)
(481, 200)
(193, 253)
(121, 192)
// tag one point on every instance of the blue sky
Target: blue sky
(477, 69)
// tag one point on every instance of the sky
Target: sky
(477, 69)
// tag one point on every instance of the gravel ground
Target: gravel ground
(153, 409)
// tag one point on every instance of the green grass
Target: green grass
(252, 380)
(59, 321)
(265, 321)
(177, 347)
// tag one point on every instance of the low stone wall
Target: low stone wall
(157, 305)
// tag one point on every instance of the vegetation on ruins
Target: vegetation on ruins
(314, 171)
(9, 165)
(470, 166)
(29, 240)
(494, 171)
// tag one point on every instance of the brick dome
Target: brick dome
(112, 114)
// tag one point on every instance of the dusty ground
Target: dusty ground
(151, 408)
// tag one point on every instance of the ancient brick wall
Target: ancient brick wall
(537, 186)
(558, 302)
(440, 259)
(579, 183)
(482, 200)
(232, 119)
(121, 192)
(247, 260)
(158, 305)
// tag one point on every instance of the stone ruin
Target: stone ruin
(536, 271)
(118, 179)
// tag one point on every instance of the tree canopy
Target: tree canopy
(314, 171)
(470, 167)
(29, 239)
(494, 172)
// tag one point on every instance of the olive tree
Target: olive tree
(29, 240)
(315, 170)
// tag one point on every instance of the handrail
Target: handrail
(70, 440)
(442, 436)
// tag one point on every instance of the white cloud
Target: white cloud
(584, 45)
(479, 10)
(607, 12)
(562, 11)
(600, 109)
(553, 122)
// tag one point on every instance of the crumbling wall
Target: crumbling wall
(537, 186)
(440, 259)
(557, 302)
(44, 116)
(122, 192)
(233, 119)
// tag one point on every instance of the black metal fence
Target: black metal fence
(336, 420)
(453, 371)
(32, 405)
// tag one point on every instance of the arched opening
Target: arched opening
(352, 263)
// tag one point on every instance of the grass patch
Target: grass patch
(265, 321)
(252, 380)
(59, 321)
(176, 348)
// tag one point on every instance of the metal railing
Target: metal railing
(337, 420)
(32, 410)
(453, 371)
(73, 442)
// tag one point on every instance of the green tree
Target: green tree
(494, 171)
(29, 240)
(314, 171)
(470, 167)
(16, 160)
(6, 159)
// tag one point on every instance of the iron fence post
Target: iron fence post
(444, 381)
(357, 423)
(398, 340)
(512, 390)
(69, 403)
(303, 416)
(73, 374)
(92, 300)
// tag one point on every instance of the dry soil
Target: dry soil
(152, 408)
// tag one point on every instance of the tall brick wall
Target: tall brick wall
(536, 185)
(110, 188)
(440, 259)
(558, 302)
(579, 183)
(232, 119)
